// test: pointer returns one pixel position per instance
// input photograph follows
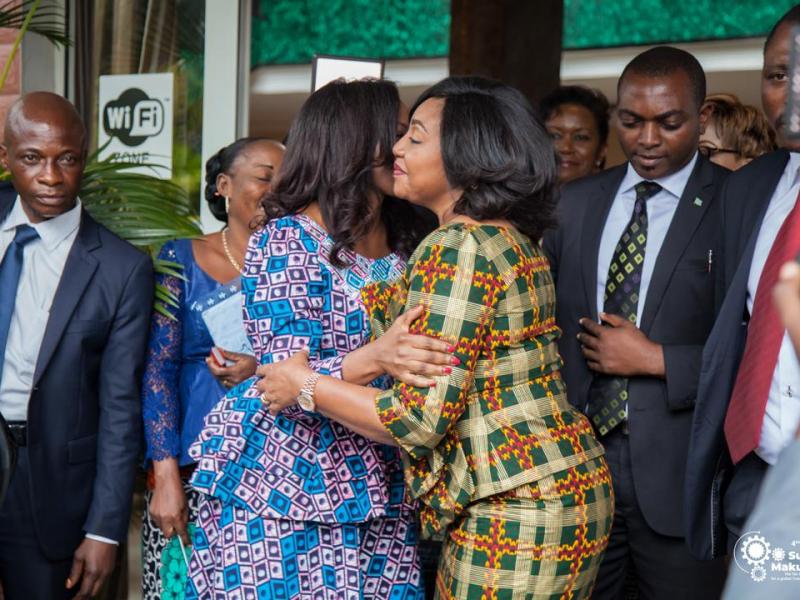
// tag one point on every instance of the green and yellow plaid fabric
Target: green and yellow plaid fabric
(544, 540)
(501, 419)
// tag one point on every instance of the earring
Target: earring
(227, 204)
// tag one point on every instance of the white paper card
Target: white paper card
(222, 314)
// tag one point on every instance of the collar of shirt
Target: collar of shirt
(791, 174)
(674, 183)
(51, 231)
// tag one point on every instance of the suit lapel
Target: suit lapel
(594, 220)
(681, 230)
(763, 187)
(78, 272)
(7, 197)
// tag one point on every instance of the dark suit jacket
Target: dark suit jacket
(678, 313)
(7, 458)
(745, 198)
(84, 415)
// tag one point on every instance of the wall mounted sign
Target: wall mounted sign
(135, 120)
(325, 69)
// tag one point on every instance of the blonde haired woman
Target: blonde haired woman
(735, 133)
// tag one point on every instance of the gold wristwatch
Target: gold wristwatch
(305, 399)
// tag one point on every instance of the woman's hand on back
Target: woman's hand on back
(411, 358)
(281, 382)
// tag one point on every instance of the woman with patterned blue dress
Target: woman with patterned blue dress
(180, 384)
(501, 463)
(298, 506)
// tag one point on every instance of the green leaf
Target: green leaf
(48, 21)
(168, 267)
(142, 209)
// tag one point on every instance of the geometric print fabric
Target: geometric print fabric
(498, 425)
(609, 395)
(289, 477)
(276, 559)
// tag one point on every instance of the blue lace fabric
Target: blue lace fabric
(178, 389)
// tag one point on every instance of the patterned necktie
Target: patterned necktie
(608, 396)
(765, 331)
(10, 270)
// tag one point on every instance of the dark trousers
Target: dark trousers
(664, 568)
(429, 553)
(741, 495)
(25, 573)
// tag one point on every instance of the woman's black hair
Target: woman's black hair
(222, 162)
(592, 100)
(330, 156)
(495, 149)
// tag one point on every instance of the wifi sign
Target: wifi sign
(135, 121)
(133, 117)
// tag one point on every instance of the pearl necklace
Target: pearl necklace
(232, 260)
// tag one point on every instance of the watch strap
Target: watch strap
(306, 396)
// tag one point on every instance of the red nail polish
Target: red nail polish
(451, 348)
(447, 370)
(432, 384)
(455, 361)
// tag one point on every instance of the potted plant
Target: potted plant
(142, 209)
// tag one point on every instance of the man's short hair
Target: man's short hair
(666, 60)
(791, 17)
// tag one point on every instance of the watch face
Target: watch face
(306, 402)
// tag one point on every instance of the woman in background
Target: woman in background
(734, 133)
(501, 463)
(182, 382)
(576, 117)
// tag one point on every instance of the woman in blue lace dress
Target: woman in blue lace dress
(182, 383)
(298, 506)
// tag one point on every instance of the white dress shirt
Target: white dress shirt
(42, 264)
(660, 210)
(43, 261)
(783, 404)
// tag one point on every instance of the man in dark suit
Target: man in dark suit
(73, 325)
(776, 514)
(633, 262)
(747, 411)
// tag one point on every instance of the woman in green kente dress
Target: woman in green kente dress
(500, 462)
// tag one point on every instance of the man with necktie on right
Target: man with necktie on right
(748, 407)
(633, 260)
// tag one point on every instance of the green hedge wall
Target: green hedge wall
(292, 31)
